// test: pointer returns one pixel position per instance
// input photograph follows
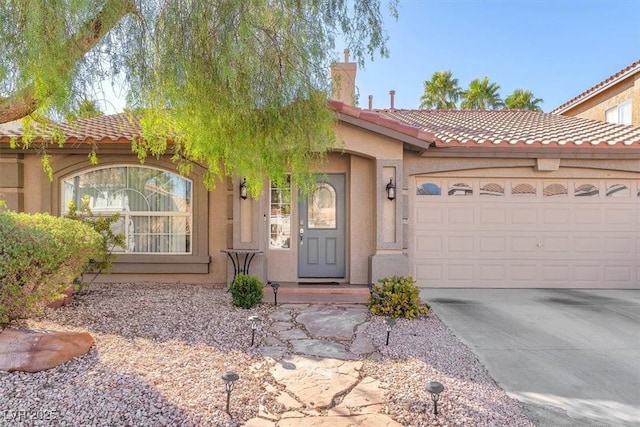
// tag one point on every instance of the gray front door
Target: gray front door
(321, 229)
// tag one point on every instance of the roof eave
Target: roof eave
(579, 100)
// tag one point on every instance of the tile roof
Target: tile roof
(116, 128)
(594, 90)
(498, 127)
(442, 128)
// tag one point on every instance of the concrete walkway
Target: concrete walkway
(328, 343)
(572, 356)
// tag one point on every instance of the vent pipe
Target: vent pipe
(370, 102)
(392, 95)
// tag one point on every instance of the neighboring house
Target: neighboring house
(616, 99)
(483, 199)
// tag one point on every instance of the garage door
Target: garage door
(470, 232)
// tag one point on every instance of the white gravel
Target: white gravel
(161, 349)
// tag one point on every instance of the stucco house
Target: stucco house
(616, 99)
(453, 198)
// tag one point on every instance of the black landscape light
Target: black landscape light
(275, 287)
(435, 388)
(229, 379)
(255, 321)
(390, 321)
(370, 286)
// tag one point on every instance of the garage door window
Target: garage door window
(429, 189)
(555, 190)
(523, 189)
(586, 190)
(491, 189)
(460, 189)
(618, 190)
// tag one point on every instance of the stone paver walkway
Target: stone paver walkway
(317, 353)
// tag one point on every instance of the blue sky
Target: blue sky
(555, 48)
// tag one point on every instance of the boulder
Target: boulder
(31, 351)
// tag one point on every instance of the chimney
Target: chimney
(370, 102)
(343, 80)
(392, 95)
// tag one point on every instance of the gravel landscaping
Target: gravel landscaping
(161, 349)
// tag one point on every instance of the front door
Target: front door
(321, 229)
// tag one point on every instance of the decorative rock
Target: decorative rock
(30, 351)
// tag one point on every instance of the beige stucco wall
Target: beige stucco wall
(595, 107)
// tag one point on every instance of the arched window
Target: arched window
(155, 206)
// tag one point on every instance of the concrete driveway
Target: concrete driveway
(572, 356)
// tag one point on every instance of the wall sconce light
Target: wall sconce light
(391, 190)
(435, 388)
(243, 189)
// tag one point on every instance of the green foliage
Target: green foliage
(102, 262)
(481, 95)
(246, 291)
(397, 297)
(39, 256)
(238, 86)
(523, 99)
(441, 92)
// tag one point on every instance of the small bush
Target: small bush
(396, 297)
(102, 262)
(246, 291)
(40, 255)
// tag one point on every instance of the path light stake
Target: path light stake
(229, 378)
(255, 321)
(370, 286)
(435, 388)
(275, 287)
(390, 322)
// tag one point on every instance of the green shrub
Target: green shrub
(102, 262)
(246, 291)
(396, 297)
(40, 255)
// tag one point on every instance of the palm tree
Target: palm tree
(442, 91)
(523, 99)
(481, 95)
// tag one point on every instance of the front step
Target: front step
(294, 293)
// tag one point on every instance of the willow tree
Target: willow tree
(237, 86)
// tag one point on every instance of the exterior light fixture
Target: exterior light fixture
(255, 321)
(229, 379)
(275, 287)
(391, 190)
(390, 321)
(243, 189)
(435, 388)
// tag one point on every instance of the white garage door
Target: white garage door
(470, 232)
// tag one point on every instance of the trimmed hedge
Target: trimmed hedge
(40, 255)
(246, 291)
